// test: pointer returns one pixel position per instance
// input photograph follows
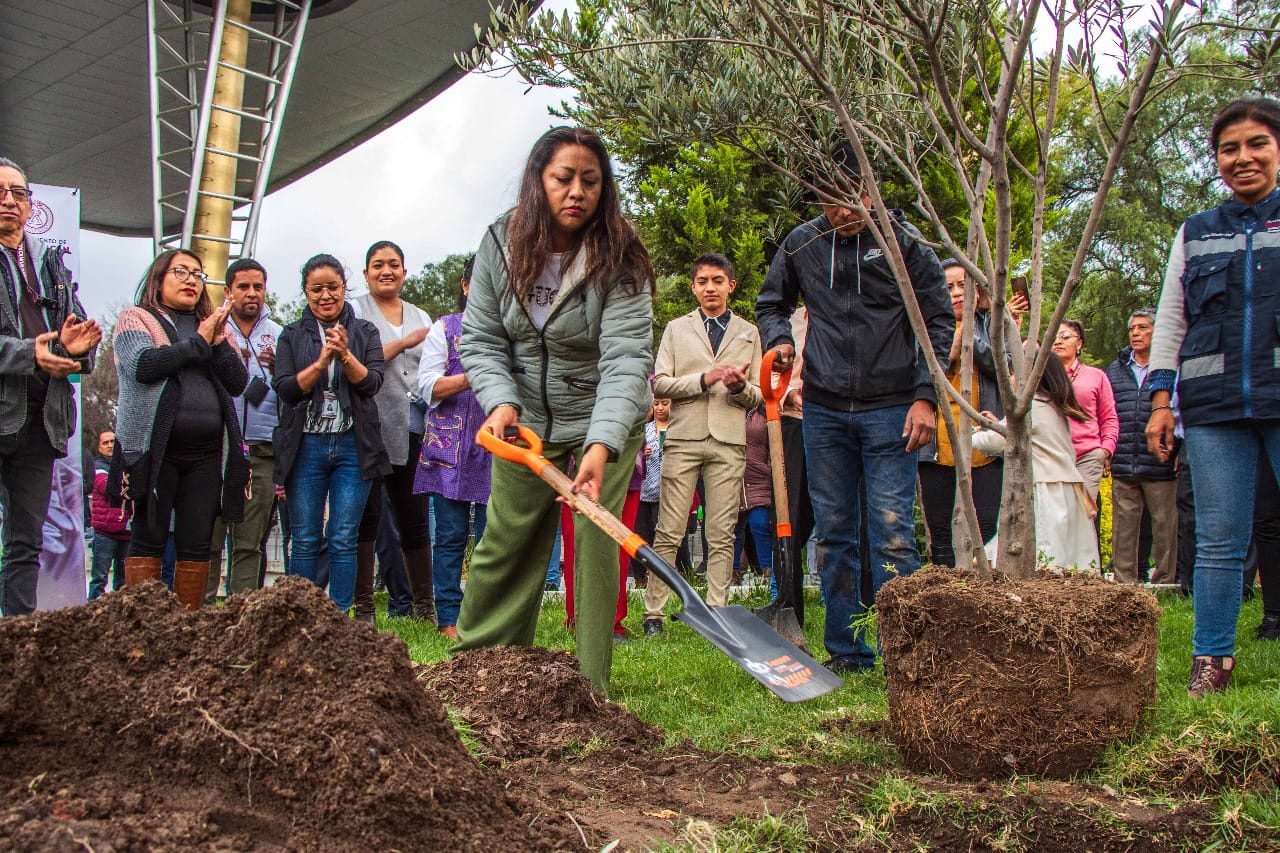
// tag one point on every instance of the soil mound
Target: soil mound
(272, 722)
(533, 703)
(1035, 676)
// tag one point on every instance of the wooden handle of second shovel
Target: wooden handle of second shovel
(778, 470)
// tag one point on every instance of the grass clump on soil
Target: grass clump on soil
(1207, 771)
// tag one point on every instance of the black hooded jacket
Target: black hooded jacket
(860, 353)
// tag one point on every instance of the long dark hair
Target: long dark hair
(612, 246)
(1056, 390)
(149, 289)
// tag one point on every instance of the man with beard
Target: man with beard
(253, 333)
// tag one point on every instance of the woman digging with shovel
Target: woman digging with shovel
(557, 336)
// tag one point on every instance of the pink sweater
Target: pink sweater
(1093, 392)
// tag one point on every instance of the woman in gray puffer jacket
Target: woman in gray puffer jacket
(557, 336)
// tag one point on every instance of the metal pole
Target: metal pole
(213, 214)
(157, 188)
(274, 127)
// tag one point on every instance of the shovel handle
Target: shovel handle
(773, 385)
(531, 457)
(778, 471)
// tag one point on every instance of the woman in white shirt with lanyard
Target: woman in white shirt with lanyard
(328, 445)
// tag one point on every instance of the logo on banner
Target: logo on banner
(41, 218)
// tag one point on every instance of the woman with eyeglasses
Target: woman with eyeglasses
(1218, 341)
(329, 441)
(557, 336)
(178, 376)
(1094, 440)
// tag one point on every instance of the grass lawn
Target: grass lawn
(1224, 749)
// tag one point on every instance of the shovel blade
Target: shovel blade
(783, 620)
(767, 656)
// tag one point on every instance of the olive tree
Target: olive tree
(971, 87)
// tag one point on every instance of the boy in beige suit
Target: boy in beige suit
(709, 365)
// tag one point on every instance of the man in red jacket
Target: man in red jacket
(110, 524)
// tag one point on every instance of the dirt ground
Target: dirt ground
(274, 724)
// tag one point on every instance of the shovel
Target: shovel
(788, 672)
(781, 613)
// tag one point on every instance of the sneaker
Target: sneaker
(620, 637)
(844, 667)
(652, 627)
(551, 587)
(1269, 628)
(1210, 674)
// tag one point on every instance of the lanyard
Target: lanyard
(333, 379)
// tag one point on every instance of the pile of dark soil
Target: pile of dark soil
(992, 678)
(533, 702)
(272, 722)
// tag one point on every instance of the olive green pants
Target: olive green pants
(508, 570)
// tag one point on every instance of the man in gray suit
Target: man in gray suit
(708, 364)
(44, 338)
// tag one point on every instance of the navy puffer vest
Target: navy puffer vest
(1230, 356)
(1133, 407)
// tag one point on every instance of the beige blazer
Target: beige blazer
(683, 356)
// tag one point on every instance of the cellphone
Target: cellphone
(256, 391)
(1019, 285)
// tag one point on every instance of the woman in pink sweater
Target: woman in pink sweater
(1094, 440)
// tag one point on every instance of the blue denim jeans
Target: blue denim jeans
(759, 521)
(327, 469)
(842, 449)
(107, 552)
(1224, 458)
(449, 548)
(554, 567)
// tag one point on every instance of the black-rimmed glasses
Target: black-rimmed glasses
(182, 274)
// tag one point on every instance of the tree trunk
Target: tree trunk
(1017, 557)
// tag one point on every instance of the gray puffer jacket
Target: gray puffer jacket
(584, 377)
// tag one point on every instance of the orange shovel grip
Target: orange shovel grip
(530, 456)
(772, 392)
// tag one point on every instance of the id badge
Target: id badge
(330, 408)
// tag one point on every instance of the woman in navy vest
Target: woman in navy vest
(1220, 331)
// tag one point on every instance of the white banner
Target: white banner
(55, 218)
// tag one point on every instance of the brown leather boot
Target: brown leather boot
(366, 552)
(417, 563)
(139, 569)
(189, 581)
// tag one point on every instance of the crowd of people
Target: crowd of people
(353, 426)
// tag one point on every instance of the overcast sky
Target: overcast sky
(431, 183)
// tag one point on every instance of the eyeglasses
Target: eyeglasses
(20, 194)
(182, 274)
(317, 289)
(1066, 335)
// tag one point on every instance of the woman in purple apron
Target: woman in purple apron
(452, 468)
